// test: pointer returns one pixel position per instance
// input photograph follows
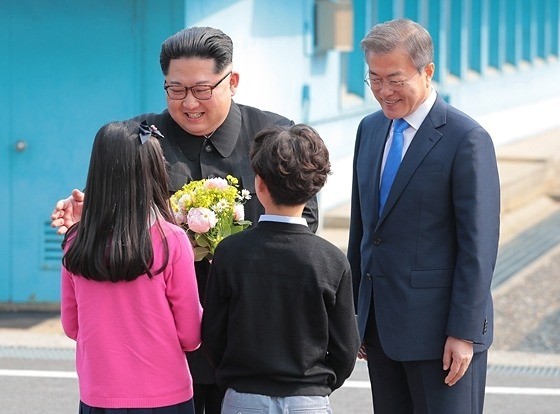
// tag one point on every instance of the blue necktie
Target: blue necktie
(393, 161)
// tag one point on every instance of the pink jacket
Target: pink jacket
(131, 336)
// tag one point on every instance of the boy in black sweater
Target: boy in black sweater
(279, 322)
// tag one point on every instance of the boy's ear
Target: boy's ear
(260, 186)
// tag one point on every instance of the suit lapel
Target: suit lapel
(424, 140)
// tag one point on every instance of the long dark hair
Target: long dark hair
(126, 190)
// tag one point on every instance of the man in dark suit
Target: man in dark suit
(422, 249)
(206, 134)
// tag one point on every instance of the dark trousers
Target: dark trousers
(186, 407)
(418, 387)
(207, 398)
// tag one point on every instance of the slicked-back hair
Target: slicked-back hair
(126, 186)
(385, 37)
(197, 42)
(292, 161)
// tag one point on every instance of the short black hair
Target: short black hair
(197, 42)
(292, 161)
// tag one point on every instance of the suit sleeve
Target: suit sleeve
(476, 201)
(216, 308)
(356, 231)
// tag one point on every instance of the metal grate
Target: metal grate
(526, 248)
(21, 352)
(524, 370)
(51, 250)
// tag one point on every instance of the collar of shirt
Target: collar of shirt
(225, 137)
(414, 119)
(283, 219)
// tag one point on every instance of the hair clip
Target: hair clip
(145, 132)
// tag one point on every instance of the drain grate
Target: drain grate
(526, 248)
(57, 354)
(524, 370)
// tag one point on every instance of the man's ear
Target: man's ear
(233, 82)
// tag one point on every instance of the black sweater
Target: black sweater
(278, 315)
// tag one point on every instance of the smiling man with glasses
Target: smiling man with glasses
(424, 232)
(206, 134)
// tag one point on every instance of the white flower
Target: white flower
(245, 194)
(221, 205)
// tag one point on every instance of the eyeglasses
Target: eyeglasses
(395, 85)
(201, 92)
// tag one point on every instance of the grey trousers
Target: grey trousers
(241, 403)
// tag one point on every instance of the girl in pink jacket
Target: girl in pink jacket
(129, 296)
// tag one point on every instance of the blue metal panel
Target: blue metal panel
(543, 28)
(497, 34)
(72, 67)
(458, 45)
(152, 23)
(476, 43)
(554, 29)
(383, 11)
(514, 40)
(356, 66)
(423, 12)
(529, 24)
(437, 26)
(412, 10)
(6, 145)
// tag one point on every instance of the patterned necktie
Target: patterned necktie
(393, 161)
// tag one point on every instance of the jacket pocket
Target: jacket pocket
(431, 278)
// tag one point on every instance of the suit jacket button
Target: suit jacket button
(368, 276)
(377, 241)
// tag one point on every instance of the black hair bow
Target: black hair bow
(146, 131)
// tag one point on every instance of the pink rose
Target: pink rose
(201, 219)
(219, 183)
(238, 212)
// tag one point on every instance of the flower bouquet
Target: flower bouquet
(210, 210)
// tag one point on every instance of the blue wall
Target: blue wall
(69, 66)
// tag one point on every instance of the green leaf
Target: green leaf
(200, 253)
(202, 240)
(226, 231)
(237, 229)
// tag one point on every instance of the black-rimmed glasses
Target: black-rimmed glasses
(201, 92)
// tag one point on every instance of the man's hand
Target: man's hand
(457, 355)
(67, 212)
(362, 352)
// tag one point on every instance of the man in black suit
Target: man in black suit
(206, 134)
(423, 234)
